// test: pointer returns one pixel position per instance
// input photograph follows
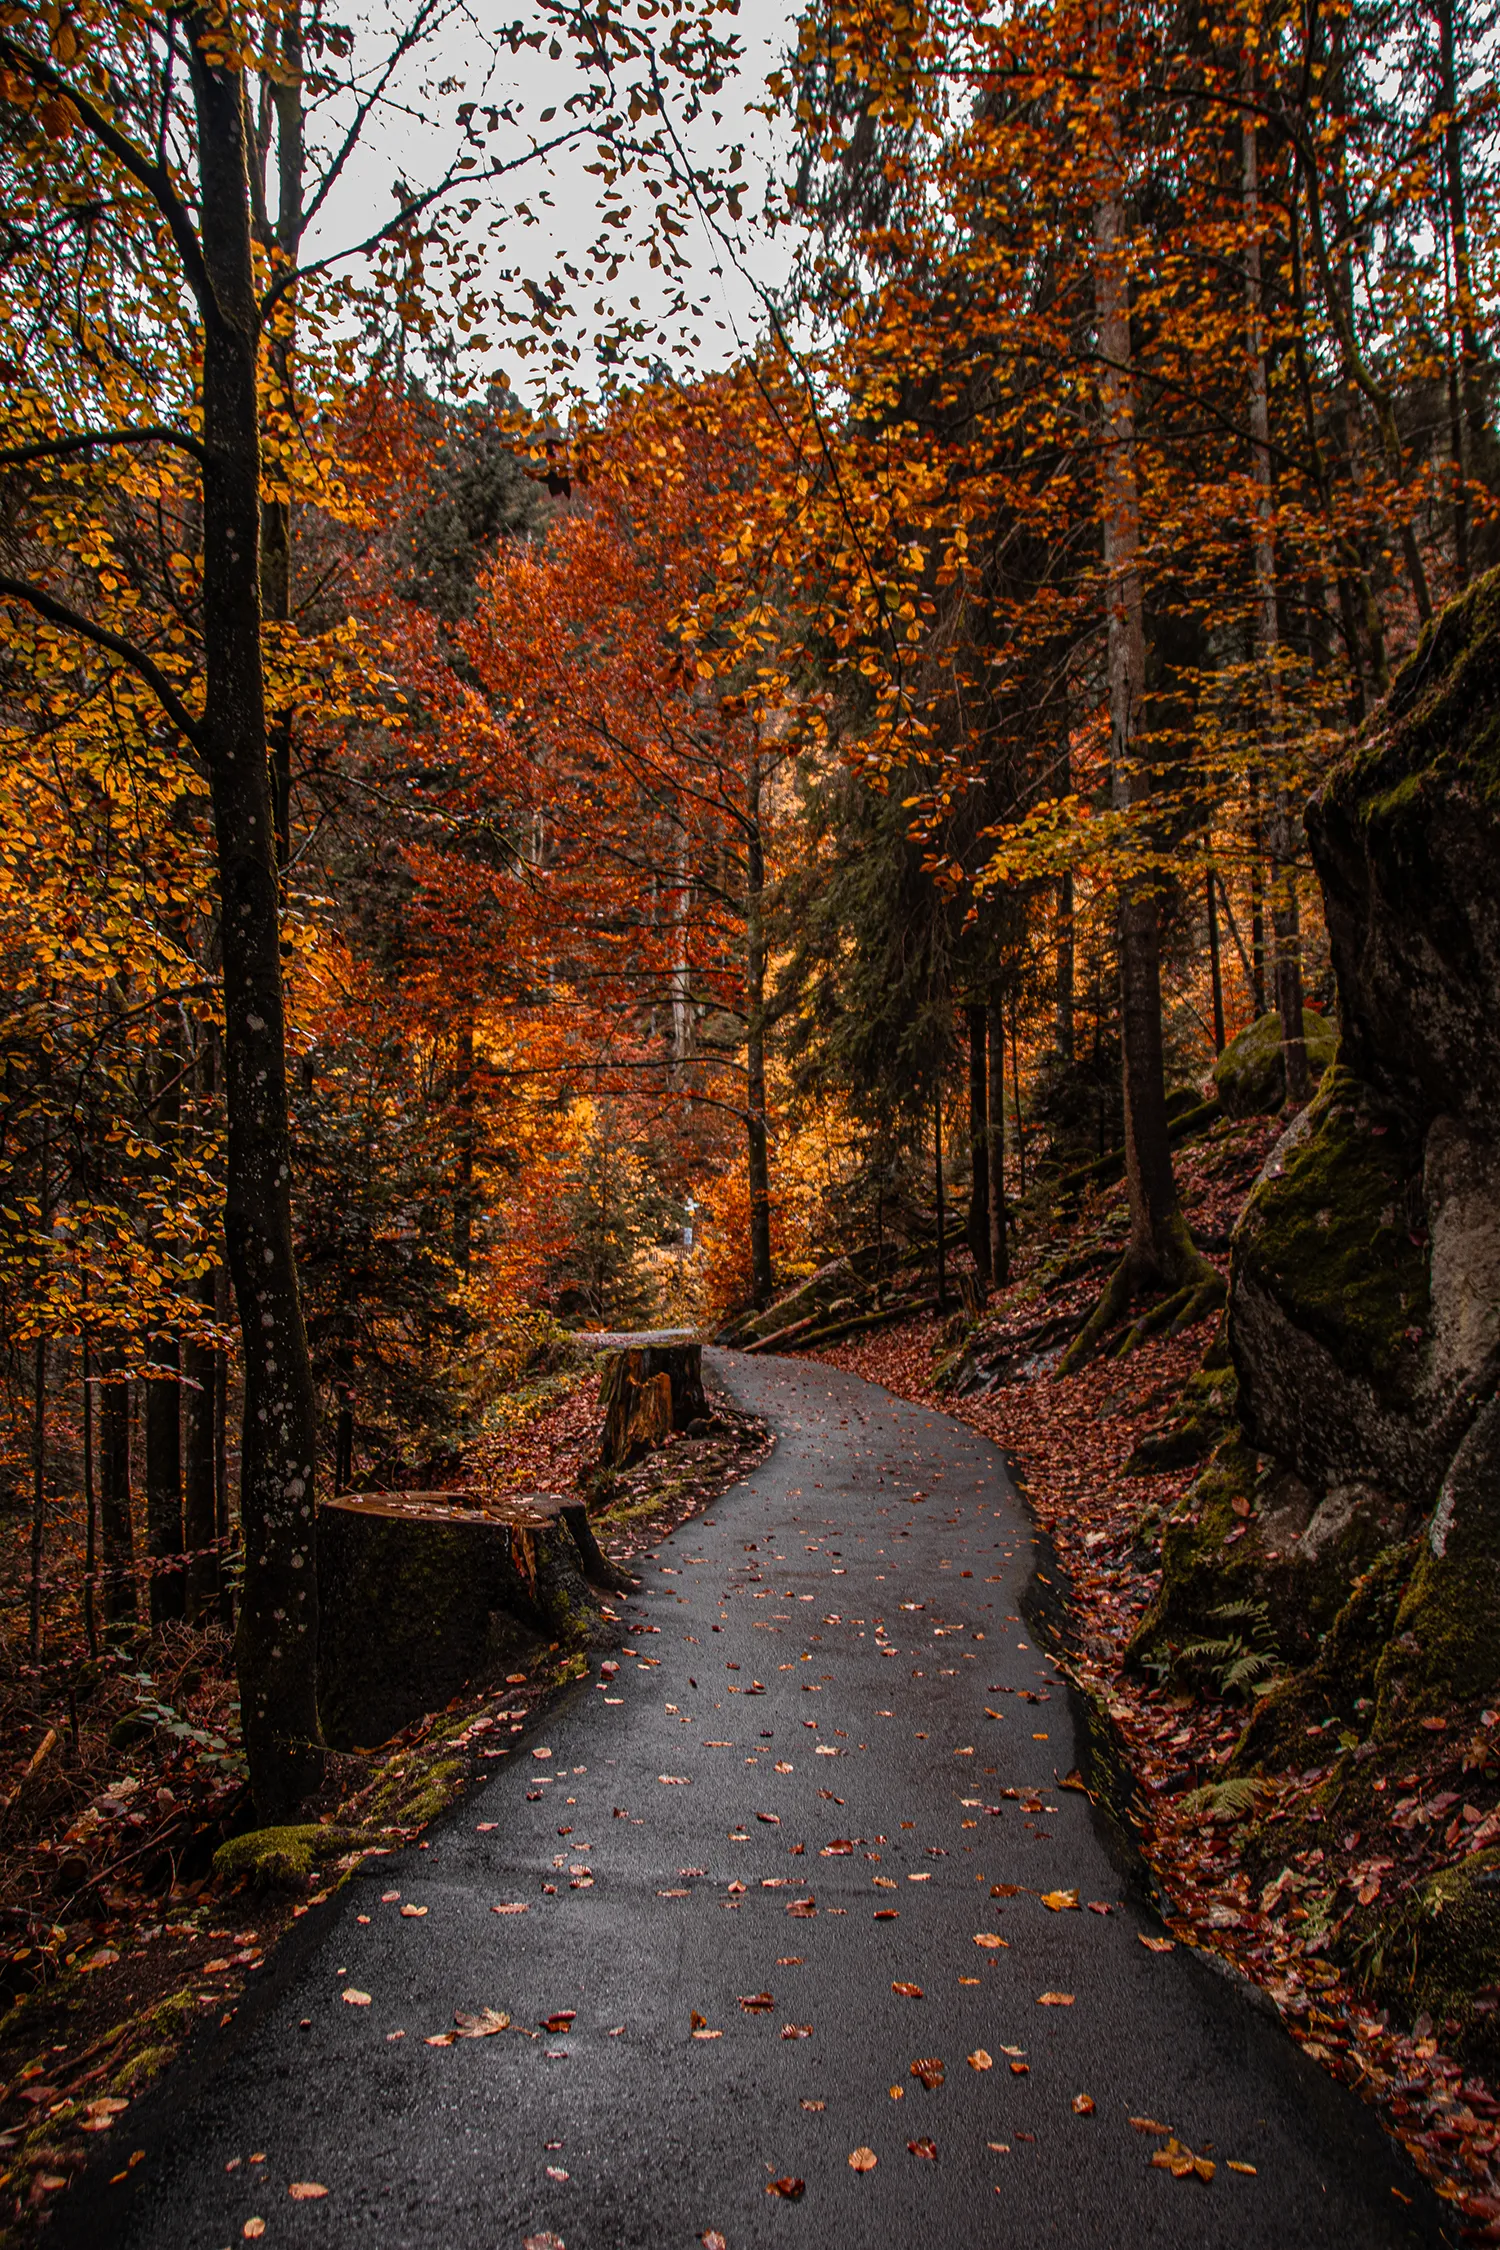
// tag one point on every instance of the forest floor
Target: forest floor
(121, 1774)
(1070, 1442)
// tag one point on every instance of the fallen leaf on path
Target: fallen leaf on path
(357, 1999)
(413, 1913)
(1006, 1890)
(930, 2070)
(673, 1780)
(306, 2191)
(1054, 1999)
(791, 2190)
(1231, 2166)
(561, 2020)
(756, 2003)
(783, 1765)
(252, 2230)
(544, 2242)
(908, 1991)
(771, 1819)
(713, 2240)
(1182, 2164)
(924, 2147)
(389, 1898)
(884, 1882)
(1157, 1944)
(814, 2105)
(1019, 2069)
(990, 1940)
(483, 1827)
(981, 2059)
(804, 1907)
(541, 1753)
(1083, 2105)
(1149, 2125)
(863, 2160)
(887, 1914)
(1097, 1906)
(516, 1906)
(796, 2031)
(1060, 1901)
(1074, 1780)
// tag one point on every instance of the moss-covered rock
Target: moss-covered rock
(1203, 1414)
(281, 1858)
(1335, 1694)
(1445, 1649)
(1251, 1073)
(1439, 1954)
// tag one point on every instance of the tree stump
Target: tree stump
(647, 1390)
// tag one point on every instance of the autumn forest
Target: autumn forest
(942, 821)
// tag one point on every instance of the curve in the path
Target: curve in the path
(869, 1577)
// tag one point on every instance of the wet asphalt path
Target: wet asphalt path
(867, 1577)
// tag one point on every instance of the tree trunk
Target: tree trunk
(90, 1510)
(1015, 1080)
(38, 1493)
(116, 1531)
(1215, 972)
(1064, 1001)
(1160, 1251)
(762, 1281)
(200, 1511)
(164, 1394)
(1268, 644)
(978, 1229)
(463, 1181)
(277, 1637)
(942, 1216)
(994, 1145)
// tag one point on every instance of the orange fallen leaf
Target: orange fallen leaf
(1157, 1944)
(790, 2190)
(1247, 2169)
(357, 1999)
(1059, 1901)
(484, 2025)
(990, 1940)
(1054, 1999)
(756, 2003)
(1083, 2105)
(413, 1913)
(1149, 2125)
(306, 2191)
(863, 2160)
(898, 2093)
(930, 2070)
(1019, 2069)
(713, 2240)
(516, 1906)
(924, 2147)
(252, 2230)
(980, 2060)
(796, 2031)
(908, 1991)
(806, 2104)
(1074, 1780)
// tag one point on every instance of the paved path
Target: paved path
(869, 1576)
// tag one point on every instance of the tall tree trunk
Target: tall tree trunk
(1160, 1251)
(164, 1394)
(90, 1510)
(979, 1174)
(1466, 403)
(199, 1447)
(463, 1170)
(762, 1280)
(38, 1493)
(116, 1531)
(284, 241)
(994, 1141)
(1015, 1078)
(1215, 972)
(1268, 643)
(942, 1216)
(277, 1637)
(1065, 955)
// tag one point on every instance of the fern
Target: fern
(1237, 1662)
(1224, 1800)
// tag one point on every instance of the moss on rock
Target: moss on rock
(1439, 1954)
(1445, 1649)
(280, 1858)
(1337, 1690)
(1251, 1073)
(1199, 1572)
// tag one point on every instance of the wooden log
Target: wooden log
(411, 1586)
(647, 1390)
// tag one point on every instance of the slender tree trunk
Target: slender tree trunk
(942, 1216)
(277, 1637)
(284, 241)
(1015, 1075)
(1215, 972)
(1160, 1251)
(1268, 645)
(117, 1535)
(463, 1182)
(221, 1457)
(1064, 1005)
(1257, 904)
(1466, 405)
(90, 1510)
(38, 1494)
(762, 1280)
(995, 1148)
(199, 1435)
(164, 1394)
(979, 1173)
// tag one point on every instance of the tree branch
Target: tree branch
(73, 621)
(83, 441)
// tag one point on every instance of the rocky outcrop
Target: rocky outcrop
(1364, 1309)
(1251, 1073)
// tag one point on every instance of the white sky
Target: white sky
(415, 132)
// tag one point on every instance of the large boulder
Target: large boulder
(1251, 1073)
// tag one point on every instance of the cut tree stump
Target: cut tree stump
(412, 1587)
(650, 1388)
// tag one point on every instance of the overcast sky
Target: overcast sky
(413, 133)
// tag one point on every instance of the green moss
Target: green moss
(1329, 1692)
(1202, 1416)
(1198, 1573)
(1330, 1237)
(409, 1800)
(1442, 715)
(1439, 1952)
(1251, 1072)
(1446, 1646)
(280, 1858)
